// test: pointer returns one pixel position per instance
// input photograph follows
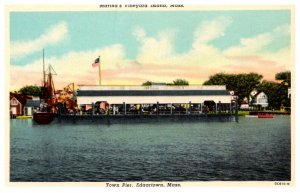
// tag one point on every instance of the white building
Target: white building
(259, 99)
(31, 105)
(152, 94)
(205, 98)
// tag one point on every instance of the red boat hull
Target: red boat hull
(265, 116)
(43, 117)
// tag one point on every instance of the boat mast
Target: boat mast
(44, 81)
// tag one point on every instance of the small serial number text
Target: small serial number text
(282, 183)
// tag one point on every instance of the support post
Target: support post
(230, 109)
(236, 110)
(187, 109)
(93, 111)
(59, 112)
(200, 108)
(107, 117)
(171, 109)
(124, 108)
(157, 109)
(216, 108)
(74, 117)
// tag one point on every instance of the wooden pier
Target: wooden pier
(121, 104)
(149, 113)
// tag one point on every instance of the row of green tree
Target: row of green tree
(243, 84)
(177, 82)
(32, 90)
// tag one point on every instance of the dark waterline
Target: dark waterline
(251, 150)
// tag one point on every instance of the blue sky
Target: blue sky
(134, 33)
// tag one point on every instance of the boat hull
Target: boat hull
(43, 117)
(265, 116)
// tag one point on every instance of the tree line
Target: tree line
(243, 84)
(176, 82)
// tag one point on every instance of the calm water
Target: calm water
(253, 149)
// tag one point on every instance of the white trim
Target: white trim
(14, 99)
(154, 87)
(152, 99)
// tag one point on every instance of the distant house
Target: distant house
(259, 99)
(31, 105)
(17, 103)
(244, 105)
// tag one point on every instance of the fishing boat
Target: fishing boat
(43, 117)
(47, 111)
(265, 116)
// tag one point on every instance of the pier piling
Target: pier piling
(236, 110)
(93, 111)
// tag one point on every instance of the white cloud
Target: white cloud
(157, 60)
(154, 49)
(256, 44)
(208, 31)
(160, 49)
(283, 57)
(139, 33)
(72, 67)
(53, 35)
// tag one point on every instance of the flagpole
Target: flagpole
(99, 71)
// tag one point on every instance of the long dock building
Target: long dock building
(159, 100)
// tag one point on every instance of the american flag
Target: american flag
(96, 63)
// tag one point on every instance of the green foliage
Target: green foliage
(277, 93)
(148, 83)
(180, 82)
(241, 84)
(31, 91)
(243, 113)
(285, 77)
(177, 82)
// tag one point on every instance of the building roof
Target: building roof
(152, 87)
(32, 103)
(151, 92)
(19, 97)
(259, 94)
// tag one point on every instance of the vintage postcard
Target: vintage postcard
(150, 95)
